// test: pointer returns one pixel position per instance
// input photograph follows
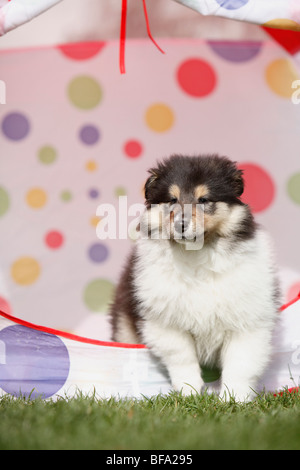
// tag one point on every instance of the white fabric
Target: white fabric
(252, 11)
(14, 13)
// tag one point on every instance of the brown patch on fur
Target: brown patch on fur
(201, 191)
(174, 191)
(213, 222)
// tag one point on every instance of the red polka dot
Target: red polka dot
(196, 77)
(293, 292)
(259, 189)
(4, 306)
(81, 51)
(133, 149)
(54, 239)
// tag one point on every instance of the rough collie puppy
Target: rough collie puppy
(199, 287)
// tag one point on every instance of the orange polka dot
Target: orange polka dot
(282, 23)
(280, 75)
(25, 271)
(91, 166)
(160, 117)
(36, 198)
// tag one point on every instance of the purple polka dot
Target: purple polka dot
(236, 51)
(98, 253)
(33, 363)
(94, 193)
(89, 135)
(232, 4)
(15, 126)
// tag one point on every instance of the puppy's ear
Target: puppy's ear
(150, 183)
(238, 182)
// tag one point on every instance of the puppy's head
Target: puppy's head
(195, 198)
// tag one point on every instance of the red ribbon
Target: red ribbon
(123, 33)
(123, 36)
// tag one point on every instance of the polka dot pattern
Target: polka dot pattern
(54, 239)
(236, 52)
(89, 134)
(45, 363)
(293, 188)
(95, 139)
(282, 23)
(232, 4)
(36, 198)
(84, 92)
(98, 253)
(196, 77)
(4, 201)
(280, 75)
(47, 155)
(159, 117)
(25, 271)
(98, 294)
(15, 126)
(259, 190)
(80, 52)
(133, 149)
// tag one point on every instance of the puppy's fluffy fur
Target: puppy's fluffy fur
(215, 304)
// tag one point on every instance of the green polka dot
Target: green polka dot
(98, 294)
(47, 155)
(84, 92)
(66, 196)
(293, 188)
(120, 191)
(4, 201)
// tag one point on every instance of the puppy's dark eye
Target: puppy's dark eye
(202, 200)
(173, 201)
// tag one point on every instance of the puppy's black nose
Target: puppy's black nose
(181, 225)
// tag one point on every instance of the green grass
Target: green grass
(168, 422)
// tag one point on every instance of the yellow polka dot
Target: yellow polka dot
(36, 198)
(283, 23)
(94, 221)
(159, 117)
(91, 165)
(280, 75)
(25, 271)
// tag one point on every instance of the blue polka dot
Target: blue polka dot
(94, 193)
(232, 4)
(89, 135)
(98, 253)
(236, 51)
(32, 363)
(15, 126)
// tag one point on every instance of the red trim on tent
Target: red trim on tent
(70, 336)
(289, 40)
(96, 342)
(291, 302)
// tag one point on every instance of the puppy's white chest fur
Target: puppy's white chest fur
(208, 292)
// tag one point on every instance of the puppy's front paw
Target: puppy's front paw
(238, 394)
(186, 388)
